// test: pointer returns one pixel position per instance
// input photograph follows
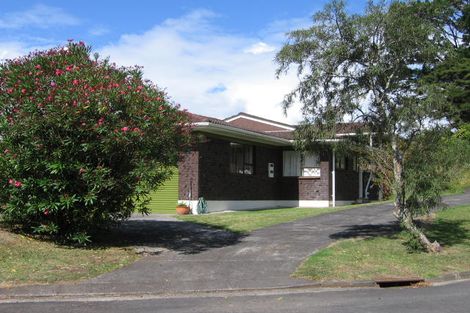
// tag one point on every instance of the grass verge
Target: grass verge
(24, 260)
(388, 257)
(247, 221)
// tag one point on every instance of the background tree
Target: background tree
(452, 74)
(367, 68)
(83, 141)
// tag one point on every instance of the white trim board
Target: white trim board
(240, 205)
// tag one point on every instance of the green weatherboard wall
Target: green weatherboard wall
(165, 198)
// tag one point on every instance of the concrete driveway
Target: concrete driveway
(187, 257)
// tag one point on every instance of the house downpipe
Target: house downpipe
(333, 180)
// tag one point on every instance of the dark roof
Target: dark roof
(289, 135)
(342, 128)
(196, 118)
(348, 128)
(241, 114)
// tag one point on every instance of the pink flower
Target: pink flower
(125, 129)
(46, 212)
(136, 130)
(10, 90)
(69, 68)
(101, 121)
(6, 151)
(53, 84)
(38, 67)
(59, 72)
(75, 82)
(23, 91)
(15, 183)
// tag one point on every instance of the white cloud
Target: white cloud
(11, 49)
(191, 59)
(99, 31)
(40, 16)
(260, 48)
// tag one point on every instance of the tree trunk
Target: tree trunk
(402, 212)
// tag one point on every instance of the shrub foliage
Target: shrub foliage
(82, 141)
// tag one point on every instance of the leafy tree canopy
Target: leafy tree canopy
(368, 68)
(83, 141)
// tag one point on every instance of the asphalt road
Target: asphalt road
(449, 298)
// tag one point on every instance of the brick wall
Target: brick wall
(316, 188)
(206, 172)
(216, 182)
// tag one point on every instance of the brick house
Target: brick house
(248, 162)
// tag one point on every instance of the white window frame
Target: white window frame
(294, 164)
(311, 164)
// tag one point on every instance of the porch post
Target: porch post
(361, 191)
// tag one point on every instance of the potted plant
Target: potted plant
(182, 208)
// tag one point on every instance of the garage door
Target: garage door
(165, 198)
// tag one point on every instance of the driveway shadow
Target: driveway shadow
(183, 237)
(367, 230)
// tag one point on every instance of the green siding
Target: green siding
(165, 198)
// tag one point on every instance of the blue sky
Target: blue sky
(214, 57)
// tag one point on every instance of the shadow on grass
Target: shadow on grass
(183, 237)
(447, 233)
(367, 231)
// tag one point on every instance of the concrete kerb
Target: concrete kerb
(316, 286)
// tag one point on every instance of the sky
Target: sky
(213, 57)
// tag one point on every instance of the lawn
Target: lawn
(247, 221)
(24, 260)
(460, 182)
(388, 257)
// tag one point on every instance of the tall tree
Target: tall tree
(452, 75)
(367, 67)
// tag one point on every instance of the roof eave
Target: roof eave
(241, 134)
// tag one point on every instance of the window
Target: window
(347, 163)
(340, 162)
(355, 166)
(311, 165)
(297, 164)
(291, 163)
(241, 159)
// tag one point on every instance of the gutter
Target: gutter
(238, 133)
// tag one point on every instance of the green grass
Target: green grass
(247, 221)
(461, 182)
(24, 260)
(388, 257)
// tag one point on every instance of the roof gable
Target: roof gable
(257, 123)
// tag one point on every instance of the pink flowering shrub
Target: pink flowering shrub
(81, 141)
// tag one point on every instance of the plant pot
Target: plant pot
(182, 209)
